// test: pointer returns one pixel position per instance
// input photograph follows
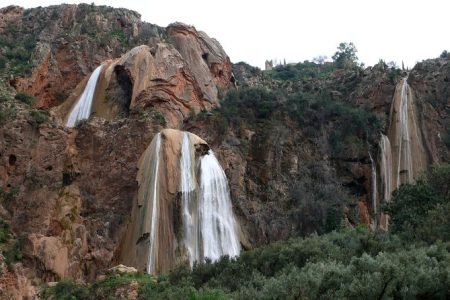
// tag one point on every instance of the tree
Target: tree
(420, 211)
(444, 54)
(345, 56)
(320, 60)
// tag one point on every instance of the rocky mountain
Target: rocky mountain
(301, 151)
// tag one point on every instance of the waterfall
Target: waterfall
(374, 187)
(402, 154)
(408, 154)
(385, 175)
(188, 199)
(183, 211)
(217, 224)
(405, 165)
(82, 108)
(155, 206)
(386, 167)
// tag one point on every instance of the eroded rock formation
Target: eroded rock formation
(160, 77)
(174, 222)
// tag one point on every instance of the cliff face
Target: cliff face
(70, 225)
(429, 80)
(176, 84)
(69, 194)
(277, 166)
(68, 41)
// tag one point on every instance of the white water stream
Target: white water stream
(83, 106)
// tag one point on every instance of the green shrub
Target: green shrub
(60, 96)
(38, 116)
(420, 211)
(301, 71)
(350, 264)
(12, 253)
(25, 98)
(4, 231)
(66, 290)
(159, 117)
(206, 294)
(7, 112)
(4, 98)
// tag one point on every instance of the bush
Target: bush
(420, 211)
(60, 96)
(249, 103)
(4, 231)
(25, 98)
(351, 264)
(159, 117)
(300, 71)
(4, 98)
(38, 116)
(66, 290)
(346, 126)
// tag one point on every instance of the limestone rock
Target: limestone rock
(50, 253)
(135, 247)
(205, 57)
(121, 269)
(159, 77)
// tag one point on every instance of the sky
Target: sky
(253, 31)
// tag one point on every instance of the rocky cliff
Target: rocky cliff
(296, 152)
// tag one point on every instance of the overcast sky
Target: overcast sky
(253, 31)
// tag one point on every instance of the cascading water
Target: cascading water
(155, 205)
(217, 224)
(386, 167)
(408, 155)
(189, 200)
(402, 155)
(385, 175)
(405, 161)
(183, 210)
(83, 106)
(374, 186)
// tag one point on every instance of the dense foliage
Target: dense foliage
(301, 71)
(346, 126)
(345, 56)
(421, 211)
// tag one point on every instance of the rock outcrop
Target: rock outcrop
(155, 77)
(182, 211)
(205, 57)
(69, 41)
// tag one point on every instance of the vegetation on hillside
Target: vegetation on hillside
(350, 263)
(17, 44)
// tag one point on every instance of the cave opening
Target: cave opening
(126, 88)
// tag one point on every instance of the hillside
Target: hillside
(303, 146)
